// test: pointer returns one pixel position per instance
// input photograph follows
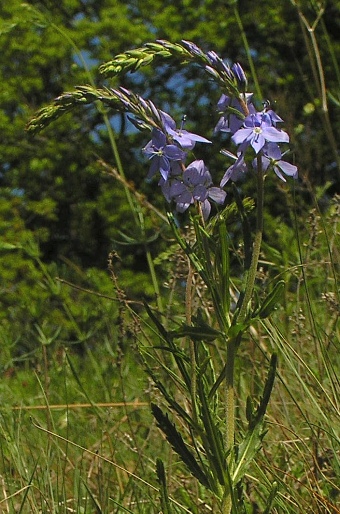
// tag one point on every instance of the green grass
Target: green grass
(77, 434)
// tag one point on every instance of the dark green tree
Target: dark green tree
(53, 186)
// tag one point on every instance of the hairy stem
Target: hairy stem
(230, 419)
(188, 311)
(251, 274)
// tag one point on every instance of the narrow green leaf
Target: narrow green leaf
(271, 300)
(178, 444)
(8, 246)
(245, 228)
(224, 268)
(177, 355)
(271, 498)
(253, 439)
(212, 437)
(198, 333)
(267, 390)
(163, 489)
(247, 451)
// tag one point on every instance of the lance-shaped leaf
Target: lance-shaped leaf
(256, 431)
(163, 490)
(212, 437)
(271, 300)
(177, 356)
(271, 498)
(201, 332)
(178, 444)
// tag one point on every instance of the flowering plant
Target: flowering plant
(205, 435)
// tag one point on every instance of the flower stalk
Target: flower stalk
(251, 273)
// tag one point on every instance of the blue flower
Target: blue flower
(193, 49)
(218, 64)
(161, 154)
(230, 121)
(272, 156)
(239, 75)
(195, 185)
(186, 139)
(257, 130)
(236, 170)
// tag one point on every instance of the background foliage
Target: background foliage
(62, 213)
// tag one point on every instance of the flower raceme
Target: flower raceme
(252, 131)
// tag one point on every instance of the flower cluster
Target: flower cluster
(256, 130)
(181, 184)
(255, 133)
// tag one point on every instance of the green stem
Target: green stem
(230, 419)
(192, 349)
(233, 342)
(154, 279)
(251, 274)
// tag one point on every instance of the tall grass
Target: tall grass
(76, 433)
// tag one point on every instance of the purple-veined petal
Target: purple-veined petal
(154, 168)
(200, 193)
(258, 141)
(274, 135)
(227, 176)
(174, 153)
(177, 188)
(191, 177)
(272, 151)
(222, 125)
(175, 168)
(148, 148)
(186, 139)
(165, 187)
(164, 166)
(158, 138)
(217, 194)
(181, 207)
(265, 163)
(278, 173)
(287, 168)
(206, 208)
(242, 135)
(275, 118)
(223, 102)
(185, 197)
(168, 122)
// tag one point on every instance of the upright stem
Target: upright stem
(188, 308)
(232, 343)
(230, 419)
(251, 274)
